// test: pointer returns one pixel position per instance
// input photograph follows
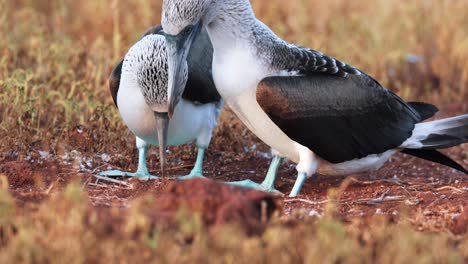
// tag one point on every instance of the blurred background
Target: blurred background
(56, 56)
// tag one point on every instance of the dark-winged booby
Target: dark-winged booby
(323, 114)
(139, 88)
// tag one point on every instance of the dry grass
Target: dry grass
(56, 55)
(66, 229)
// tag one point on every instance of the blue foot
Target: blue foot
(269, 182)
(142, 172)
(191, 176)
(143, 175)
(253, 185)
(197, 171)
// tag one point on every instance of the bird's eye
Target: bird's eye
(186, 30)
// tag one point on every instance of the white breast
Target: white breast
(136, 114)
(236, 75)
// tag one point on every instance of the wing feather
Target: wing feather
(114, 81)
(308, 61)
(200, 85)
(340, 119)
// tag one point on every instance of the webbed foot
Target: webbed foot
(197, 171)
(253, 185)
(192, 175)
(141, 174)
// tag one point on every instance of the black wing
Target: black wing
(425, 110)
(308, 61)
(114, 81)
(200, 85)
(339, 119)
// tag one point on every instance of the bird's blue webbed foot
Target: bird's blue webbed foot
(253, 185)
(138, 174)
(141, 173)
(268, 185)
(197, 171)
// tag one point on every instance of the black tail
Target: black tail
(435, 156)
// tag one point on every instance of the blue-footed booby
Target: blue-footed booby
(139, 88)
(323, 114)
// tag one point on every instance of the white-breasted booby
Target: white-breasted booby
(323, 114)
(139, 85)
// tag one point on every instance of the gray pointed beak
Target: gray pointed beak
(162, 123)
(178, 48)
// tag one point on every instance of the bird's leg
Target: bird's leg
(197, 171)
(307, 166)
(301, 177)
(269, 181)
(142, 171)
(268, 185)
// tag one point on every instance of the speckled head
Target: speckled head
(145, 66)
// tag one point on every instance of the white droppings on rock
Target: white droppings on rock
(251, 148)
(44, 154)
(264, 155)
(71, 156)
(454, 215)
(105, 157)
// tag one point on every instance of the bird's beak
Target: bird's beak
(162, 122)
(178, 48)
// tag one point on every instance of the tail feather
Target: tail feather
(435, 156)
(444, 133)
(439, 134)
